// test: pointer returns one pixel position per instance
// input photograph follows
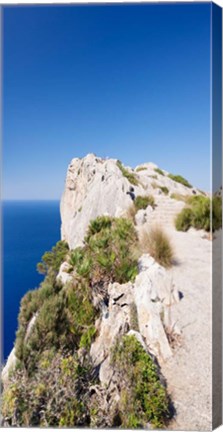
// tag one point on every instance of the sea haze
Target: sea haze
(29, 229)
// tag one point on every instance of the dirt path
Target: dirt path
(188, 372)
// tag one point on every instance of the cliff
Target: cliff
(100, 341)
(96, 186)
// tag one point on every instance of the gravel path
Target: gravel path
(188, 372)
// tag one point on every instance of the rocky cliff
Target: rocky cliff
(96, 186)
(95, 339)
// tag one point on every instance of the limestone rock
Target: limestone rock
(9, 366)
(63, 275)
(96, 186)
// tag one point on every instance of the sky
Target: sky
(130, 82)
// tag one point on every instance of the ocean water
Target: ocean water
(29, 229)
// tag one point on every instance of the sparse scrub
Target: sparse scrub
(142, 202)
(141, 169)
(143, 397)
(180, 179)
(164, 189)
(36, 401)
(157, 244)
(130, 176)
(159, 171)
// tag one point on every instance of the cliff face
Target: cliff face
(108, 308)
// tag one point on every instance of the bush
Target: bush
(130, 176)
(184, 219)
(52, 260)
(110, 252)
(198, 212)
(164, 189)
(143, 397)
(159, 171)
(141, 169)
(180, 179)
(55, 396)
(142, 202)
(157, 244)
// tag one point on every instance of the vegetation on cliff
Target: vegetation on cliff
(143, 398)
(52, 382)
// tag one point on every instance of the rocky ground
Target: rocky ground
(188, 371)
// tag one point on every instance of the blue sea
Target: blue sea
(29, 229)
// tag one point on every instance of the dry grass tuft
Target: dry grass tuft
(158, 245)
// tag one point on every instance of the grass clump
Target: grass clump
(130, 176)
(141, 169)
(157, 244)
(142, 202)
(180, 179)
(164, 189)
(143, 398)
(159, 171)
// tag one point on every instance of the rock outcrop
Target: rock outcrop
(96, 186)
(143, 306)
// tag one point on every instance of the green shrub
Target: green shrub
(54, 397)
(184, 219)
(130, 176)
(98, 224)
(197, 214)
(164, 189)
(159, 171)
(141, 169)
(143, 397)
(88, 337)
(180, 179)
(52, 260)
(157, 244)
(142, 202)
(110, 251)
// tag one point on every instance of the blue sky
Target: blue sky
(125, 81)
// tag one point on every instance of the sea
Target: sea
(29, 228)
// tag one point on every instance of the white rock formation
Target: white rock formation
(96, 186)
(9, 366)
(153, 294)
(64, 276)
